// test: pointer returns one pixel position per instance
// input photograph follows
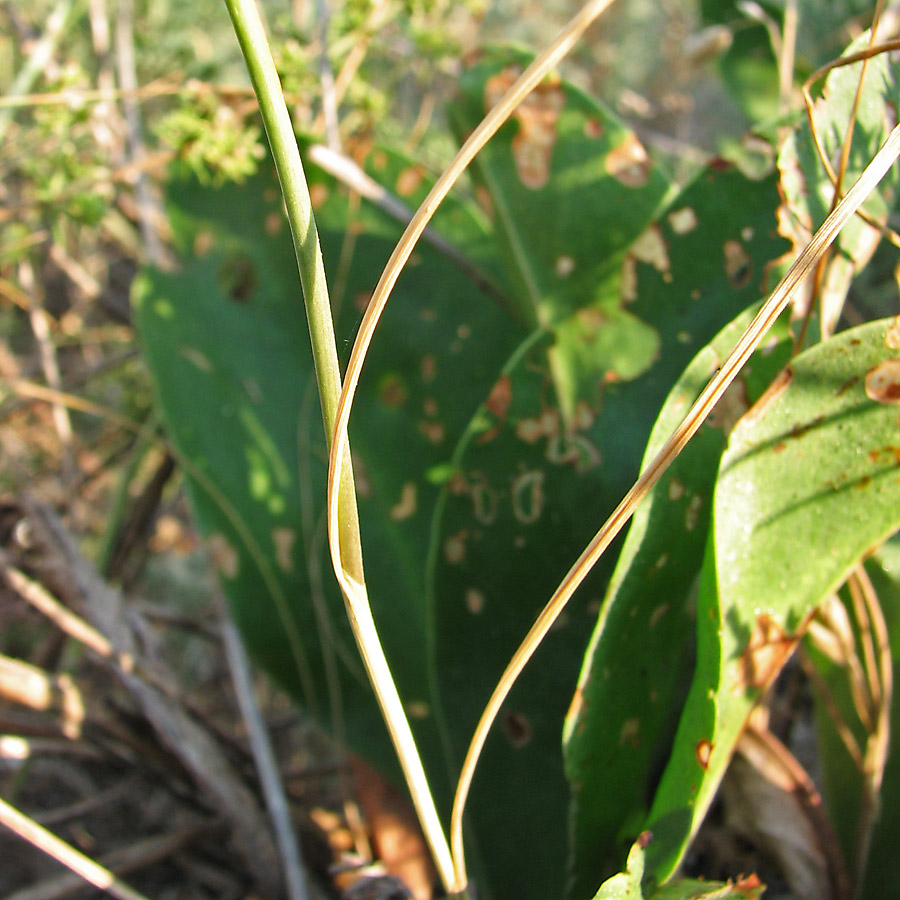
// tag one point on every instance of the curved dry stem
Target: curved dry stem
(355, 592)
(837, 179)
(833, 176)
(64, 853)
(748, 342)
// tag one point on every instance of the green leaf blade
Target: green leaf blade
(808, 485)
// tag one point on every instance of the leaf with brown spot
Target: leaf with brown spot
(639, 660)
(629, 163)
(800, 498)
(883, 381)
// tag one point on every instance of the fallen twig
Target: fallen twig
(266, 766)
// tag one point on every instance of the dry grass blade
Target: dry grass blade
(27, 685)
(748, 342)
(354, 592)
(833, 176)
(128, 859)
(90, 871)
(195, 746)
(42, 600)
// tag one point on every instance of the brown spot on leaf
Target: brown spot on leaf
(517, 729)
(593, 128)
(274, 223)
(225, 558)
(892, 338)
(564, 266)
(628, 282)
(692, 513)
(428, 368)
(650, 248)
(683, 221)
(497, 404)
(195, 357)
(658, 613)
(406, 505)
(550, 422)
(417, 709)
(630, 733)
(484, 498)
(528, 496)
(883, 382)
(849, 383)
(455, 547)
(392, 390)
(536, 116)
(204, 243)
(573, 449)
(583, 417)
(318, 195)
(676, 489)
(738, 268)
(500, 397)
(628, 163)
(432, 431)
(703, 752)
(529, 430)
(283, 539)
(474, 601)
(485, 201)
(408, 180)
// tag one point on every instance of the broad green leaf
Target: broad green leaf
(749, 65)
(807, 187)
(638, 666)
(527, 493)
(843, 786)
(225, 337)
(807, 485)
(569, 190)
(627, 885)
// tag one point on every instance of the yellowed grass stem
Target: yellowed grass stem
(453, 875)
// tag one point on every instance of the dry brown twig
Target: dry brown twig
(111, 634)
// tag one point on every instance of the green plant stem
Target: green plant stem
(254, 43)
